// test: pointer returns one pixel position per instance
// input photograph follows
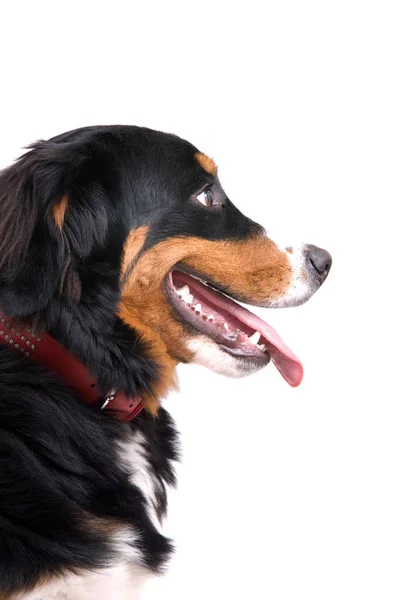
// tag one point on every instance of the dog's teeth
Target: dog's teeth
(211, 318)
(188, 299)
(184, 291)
(197, 308)
(226, 326)
(255, 338)
(261, 346)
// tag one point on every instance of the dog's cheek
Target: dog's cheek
(143, 302)
(156, 350)
(147, 311)
(145, 318)
(132, 247)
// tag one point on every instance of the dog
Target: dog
(121, 256)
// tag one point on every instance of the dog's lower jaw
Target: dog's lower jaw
(209, 354)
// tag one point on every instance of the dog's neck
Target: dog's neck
(118, 349)
(49, 353)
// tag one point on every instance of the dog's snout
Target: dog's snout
(319, 261)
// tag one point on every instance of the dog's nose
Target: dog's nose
(319, 261)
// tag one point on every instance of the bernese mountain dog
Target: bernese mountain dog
(121, 256)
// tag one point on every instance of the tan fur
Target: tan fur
(206, 163)
(156, 350)
(59, 211)
(133, 244)
(252, 270)
(130, 313)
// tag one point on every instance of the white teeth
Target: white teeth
(255, 338)
(188, 299)
(184, 291)
(211, 318)
(197, 308)
(226, 326)
(261, 346)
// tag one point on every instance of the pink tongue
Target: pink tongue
(283, 358)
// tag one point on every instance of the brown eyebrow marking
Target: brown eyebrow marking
(206, 163)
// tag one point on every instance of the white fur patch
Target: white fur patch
(208, 354)
(124, 543)
(301, 287)
(135, 455)
(123, 581)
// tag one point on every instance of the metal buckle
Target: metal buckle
(108, 398)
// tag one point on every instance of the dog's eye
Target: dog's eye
(206, 197)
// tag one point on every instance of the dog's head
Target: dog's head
(123, 242)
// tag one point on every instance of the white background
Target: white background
(284, 494)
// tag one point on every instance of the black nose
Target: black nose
(319, 261)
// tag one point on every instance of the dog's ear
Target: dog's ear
(53, 213)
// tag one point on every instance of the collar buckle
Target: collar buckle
(108, 398)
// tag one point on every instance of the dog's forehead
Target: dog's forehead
(169, 163)
(155, 178)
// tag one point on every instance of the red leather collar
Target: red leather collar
(46, 351)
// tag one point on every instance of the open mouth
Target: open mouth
(235, 329)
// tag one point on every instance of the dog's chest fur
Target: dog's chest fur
(122, 582)
(126, 578)
(99, 489)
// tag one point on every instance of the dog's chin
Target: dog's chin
(222, 360)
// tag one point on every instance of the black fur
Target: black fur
(59, 467)
(116, 178)
(58, 458)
